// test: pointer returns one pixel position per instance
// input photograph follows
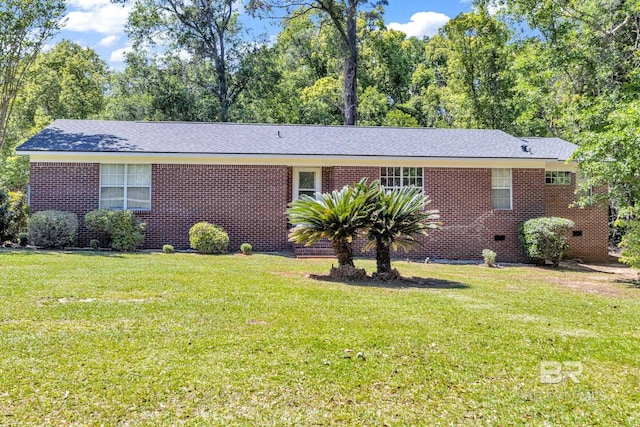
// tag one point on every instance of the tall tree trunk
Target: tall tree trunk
(383, 257)
(350, 77)
(343, 251)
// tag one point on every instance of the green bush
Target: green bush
(95, 244)
(168, 249)
(489, 257)
(208, 238)
(23, 239)
(246, 248)
(13, 214)
(5, 216)
(630, 243)
(124, 230)
(545, 238)
(97, 220)
(53, 229)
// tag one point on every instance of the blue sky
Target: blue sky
(100, 24)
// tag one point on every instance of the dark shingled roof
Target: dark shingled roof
(95, 136)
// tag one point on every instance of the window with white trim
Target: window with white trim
(558, 177)
(125, 187)
(398, 177)
(306, 181)
(501, 189)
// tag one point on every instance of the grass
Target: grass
(168, 339)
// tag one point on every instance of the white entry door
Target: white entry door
(306, 181)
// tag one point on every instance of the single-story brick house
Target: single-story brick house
(242, 176)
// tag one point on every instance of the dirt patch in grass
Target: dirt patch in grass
(612, 279)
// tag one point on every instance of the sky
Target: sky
(100, 24)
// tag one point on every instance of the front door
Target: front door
(306, 181)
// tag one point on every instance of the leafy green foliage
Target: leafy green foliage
(13, 214)
(94, 244)
(630, 243)
(246, 248)
(124, 230)
(168, 249)
(337, 216)
(208, 238)
(489, 257)
(545, 238)
(398, 215)
(210, 31)
(25, 25)
(5, 215)
(23, 239)
(14, 173)
(53, 229)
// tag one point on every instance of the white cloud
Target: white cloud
(100, 16)
(422, 24)
(494, 9)
(118, 55)
(108, 41)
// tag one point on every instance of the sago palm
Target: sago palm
(337, 216)
(399, 215)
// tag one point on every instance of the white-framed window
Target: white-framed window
(398, 177)
(125, 187)
(558, 178)
(501, 189)
(306, 181)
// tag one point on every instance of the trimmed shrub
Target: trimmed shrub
(53, 229)
(95, 244)
(545, 238)
(489, 257)
(23, 239)
(246, 248)
(124, 230)
(208, 238)
(168, 249)
(97, 220)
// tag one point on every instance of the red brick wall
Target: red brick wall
(592, 221)
(72, 187)
(347, 175)
(250, 202)
(469, 224)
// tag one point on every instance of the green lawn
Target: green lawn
(158, 339)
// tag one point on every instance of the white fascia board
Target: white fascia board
(562, 165)
(285, 160)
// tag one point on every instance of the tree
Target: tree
(342, 16)
(399, 215)
(67, 82)
(204, 28)
(479, 83)
(162, 89)
(337, 216)
(25, 25)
